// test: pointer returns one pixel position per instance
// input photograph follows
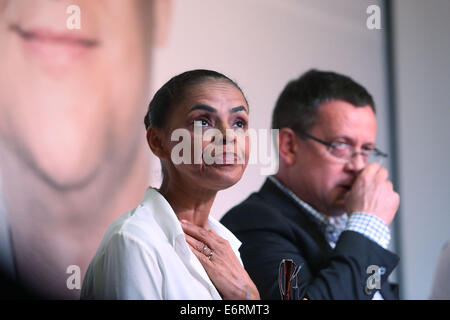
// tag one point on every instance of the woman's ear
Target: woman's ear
(155, 140)
(287, 146)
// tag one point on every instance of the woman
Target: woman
(169, 247)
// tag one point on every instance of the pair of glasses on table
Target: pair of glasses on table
(288, 279)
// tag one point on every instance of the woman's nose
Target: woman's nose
(227, 133)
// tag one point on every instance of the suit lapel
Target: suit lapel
(291, 210)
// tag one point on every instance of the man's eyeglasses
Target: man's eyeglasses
(346, 152)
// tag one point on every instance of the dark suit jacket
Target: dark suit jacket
(272, 227)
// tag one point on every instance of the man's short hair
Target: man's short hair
(298, 103)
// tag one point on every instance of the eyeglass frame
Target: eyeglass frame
(378, 152)
(288, 278)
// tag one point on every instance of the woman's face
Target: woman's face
(213, 108)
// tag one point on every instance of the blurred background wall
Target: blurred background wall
(263, 44)
(422, 68)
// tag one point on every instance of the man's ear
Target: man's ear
(155, 140)
(288, 146)
(162, 15)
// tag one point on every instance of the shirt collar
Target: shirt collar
(169, 223)
(163, 214)
(323, 220)
(222, 231)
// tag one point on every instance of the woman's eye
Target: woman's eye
(202, 122)
(240, 124)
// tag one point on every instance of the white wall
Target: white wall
(265, 43)
(422, 31)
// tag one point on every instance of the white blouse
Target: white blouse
(144, 255)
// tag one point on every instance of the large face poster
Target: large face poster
(76, 79)
(75, 86)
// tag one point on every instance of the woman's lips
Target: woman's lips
(226, 159)
(56, 46)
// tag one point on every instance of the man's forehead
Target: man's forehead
(344, 119)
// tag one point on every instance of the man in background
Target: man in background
(328, 208)
(72, 154)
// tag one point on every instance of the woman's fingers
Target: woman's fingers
(198, 246)
(203, 259)
(198, 233)
(220, 262)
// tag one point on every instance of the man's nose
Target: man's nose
(357, 162)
